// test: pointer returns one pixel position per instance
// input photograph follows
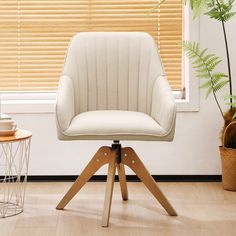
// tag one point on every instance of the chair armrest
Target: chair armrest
(65, 105)
(163, 108)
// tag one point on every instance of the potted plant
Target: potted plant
(205, 66)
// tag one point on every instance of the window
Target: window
(34, 35)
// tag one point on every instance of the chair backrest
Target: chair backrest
(113, 70)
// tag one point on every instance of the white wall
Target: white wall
(194, 150)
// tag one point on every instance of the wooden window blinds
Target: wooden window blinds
(34, 35)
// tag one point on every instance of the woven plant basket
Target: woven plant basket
(228, 160)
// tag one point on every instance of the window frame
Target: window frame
(192, 33)
(36, 102)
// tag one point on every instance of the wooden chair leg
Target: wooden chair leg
(122, 179)
(109, 190)
(131, 159)
(99, 159)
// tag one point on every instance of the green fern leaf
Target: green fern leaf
(216, 88)
(220, 10)
(211, 65)
(206, 85)
(203, 75)
(220, 85)
(228, 16)
(203, 52)
(204, 64)
(212, 82)
(198, 6)
(219, 75)
(200, 66)
(208, 92)
(197, 61)
(207, 57)
(201, 70)
(233, 104)
(230, 96)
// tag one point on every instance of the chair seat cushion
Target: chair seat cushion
(114, 124)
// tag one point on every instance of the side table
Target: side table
(14, 160)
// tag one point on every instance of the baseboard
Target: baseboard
(130, 178)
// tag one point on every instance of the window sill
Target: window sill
(28, 106)
(32, 106)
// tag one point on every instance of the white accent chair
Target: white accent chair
(113, 87)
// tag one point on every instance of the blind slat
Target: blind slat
(35, 35)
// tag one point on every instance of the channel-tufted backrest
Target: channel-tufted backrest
(113, 70)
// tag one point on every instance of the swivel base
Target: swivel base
(116, 157)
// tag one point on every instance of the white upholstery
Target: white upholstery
(113, 87)
(114, 125)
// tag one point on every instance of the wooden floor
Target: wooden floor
(203, 208)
